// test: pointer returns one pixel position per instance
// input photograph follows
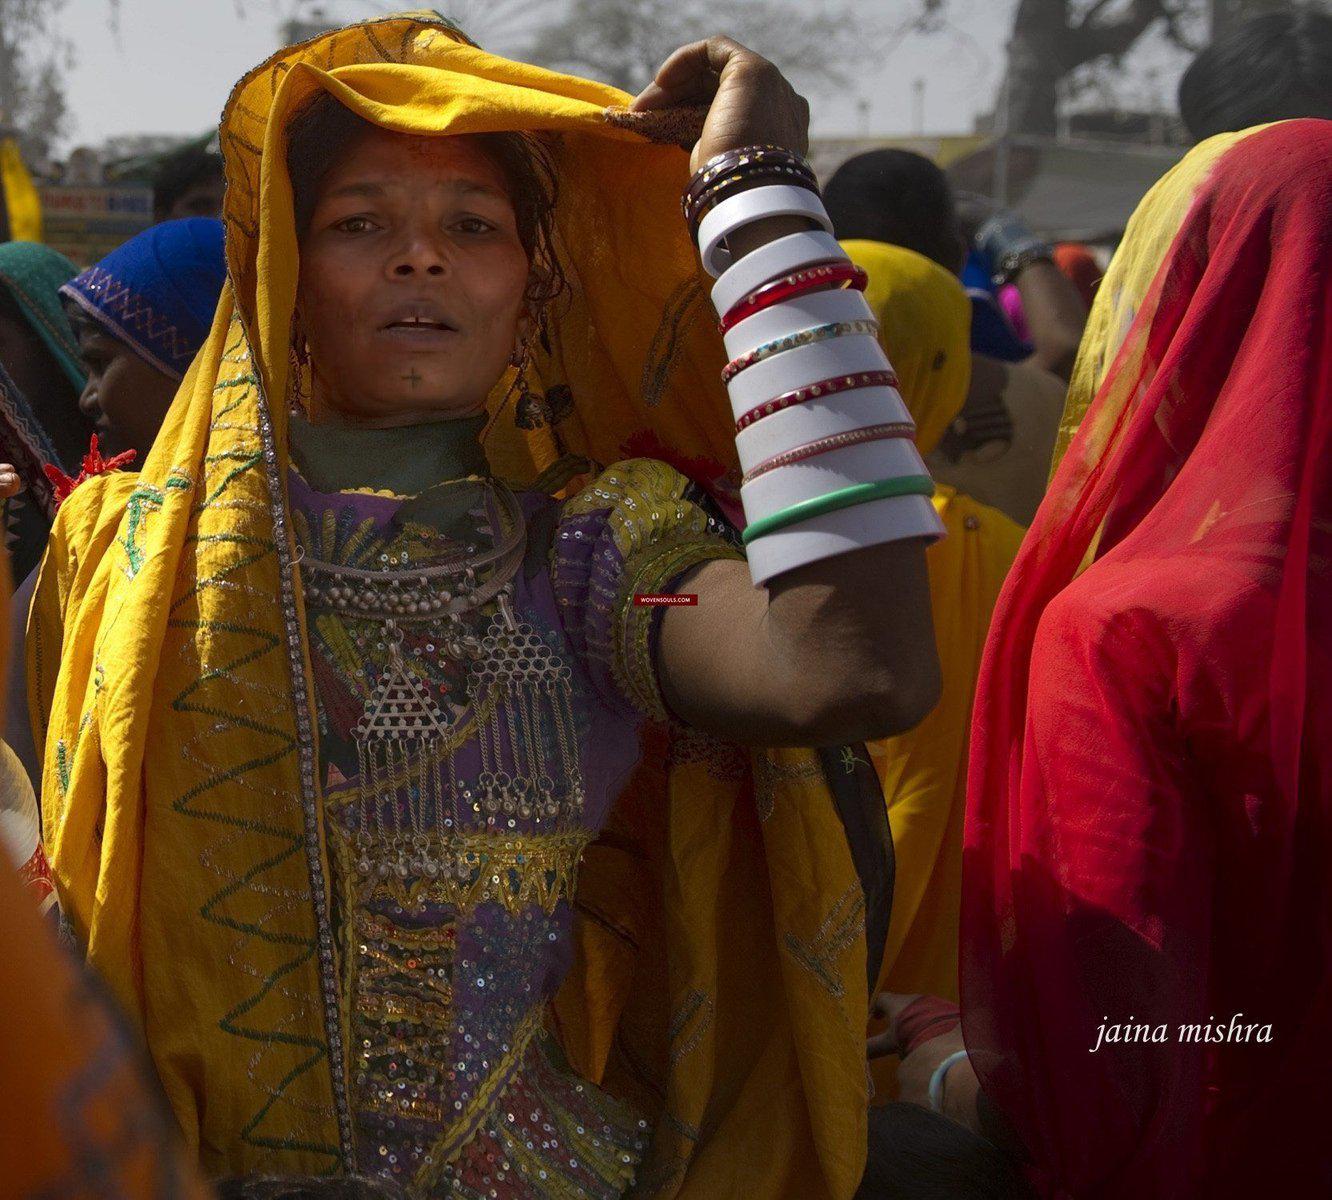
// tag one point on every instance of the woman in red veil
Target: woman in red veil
(1147, 909)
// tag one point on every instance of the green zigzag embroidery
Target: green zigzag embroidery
(142, 500)
(65, 756)
(289, 845)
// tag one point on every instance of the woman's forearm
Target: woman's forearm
(858, 627)
(1055, 314)
(841, 650)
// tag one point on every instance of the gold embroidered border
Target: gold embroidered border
(516, 872)
(650, 570)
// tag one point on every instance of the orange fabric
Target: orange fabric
(1076, 262)
(78, 1114)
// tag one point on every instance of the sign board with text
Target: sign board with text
(87, 223)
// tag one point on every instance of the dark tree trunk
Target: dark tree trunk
(1035, 66)
(1048, 42)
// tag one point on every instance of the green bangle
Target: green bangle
(857, 493)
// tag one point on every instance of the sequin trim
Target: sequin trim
(466, 870)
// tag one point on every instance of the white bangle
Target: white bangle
(803, 366)
(828, 307)
(803, 423)
(876, 523)
(773, 260)
(831, 471)
(937, 1079)
(744, 208)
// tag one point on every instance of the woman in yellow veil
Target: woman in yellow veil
(254, 864)
(923, 322)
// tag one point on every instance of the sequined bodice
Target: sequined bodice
(466, 763)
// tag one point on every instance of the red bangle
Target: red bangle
(924, 1018)
(825, 387)
(817, 278)
(834, 441)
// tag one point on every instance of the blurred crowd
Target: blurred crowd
(1112, 829)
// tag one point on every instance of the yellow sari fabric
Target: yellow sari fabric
(23, 206)
(1146, 243)
(170, 684)
(924, 321)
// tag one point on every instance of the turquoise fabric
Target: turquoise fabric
(33, 275)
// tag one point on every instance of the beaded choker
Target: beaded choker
(443, 589)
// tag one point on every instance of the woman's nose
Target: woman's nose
(420, 255)
(89, 405)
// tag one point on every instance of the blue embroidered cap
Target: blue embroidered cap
(157, 293)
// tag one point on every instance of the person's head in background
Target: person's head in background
(140, 316)
(37, 345)
(1272, 67)
(897, 197)
(188, 183)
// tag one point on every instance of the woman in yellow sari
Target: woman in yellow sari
(923, 322)
(331, 712)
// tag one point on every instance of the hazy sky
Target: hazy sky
(169, 67)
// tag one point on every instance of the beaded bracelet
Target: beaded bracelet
(859, 493)
(742, 178)
(728, 160)
(726, 171)
(806, 337)
(824, 276)
(825, 387)
(834, 441)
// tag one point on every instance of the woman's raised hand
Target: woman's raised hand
(10, 483)
(749, 100)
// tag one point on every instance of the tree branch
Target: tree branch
(1095, 39)
(1095, 11)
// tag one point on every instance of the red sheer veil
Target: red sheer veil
(1190, 517)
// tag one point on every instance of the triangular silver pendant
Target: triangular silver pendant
(400, 709)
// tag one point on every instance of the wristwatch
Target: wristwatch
(1016, 261)
(1010, 245)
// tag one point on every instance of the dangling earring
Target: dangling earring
(528, 411)
(297, 393)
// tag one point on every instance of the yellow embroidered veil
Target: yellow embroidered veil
(721, 963)
(924, 322)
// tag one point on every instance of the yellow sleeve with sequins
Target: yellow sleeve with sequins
(634, 530)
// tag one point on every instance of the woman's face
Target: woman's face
(412, 281)
(125, 398)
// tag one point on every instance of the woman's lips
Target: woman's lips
(419, 336)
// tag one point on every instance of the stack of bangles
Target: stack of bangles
(825, 442)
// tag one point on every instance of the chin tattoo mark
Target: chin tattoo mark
(414, 378)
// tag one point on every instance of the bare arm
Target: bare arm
(18, 728)
(1054, 309)
(839, 651)
(1055, 314)
(1015, 483)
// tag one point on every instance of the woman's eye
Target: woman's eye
(473, 225)
(355, 225)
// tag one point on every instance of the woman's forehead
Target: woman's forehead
(383, 157)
